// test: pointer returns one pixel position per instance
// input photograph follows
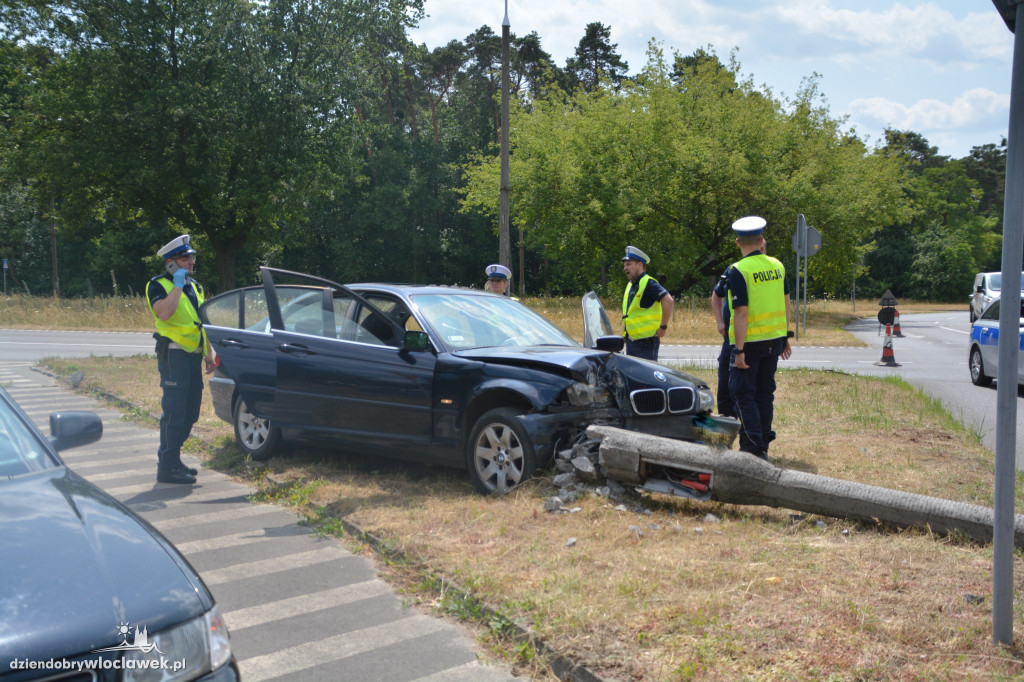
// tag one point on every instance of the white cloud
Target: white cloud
(971, 107)
(923, 65)
(924, 29)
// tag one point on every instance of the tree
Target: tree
(668, 166)
(595, 57)
(223, 119)
(942, 238)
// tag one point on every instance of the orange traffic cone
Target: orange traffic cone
(888, 359)
(896, 325)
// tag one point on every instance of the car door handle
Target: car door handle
(231, 343)
(296, 348)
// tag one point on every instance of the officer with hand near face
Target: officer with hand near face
(181, 349)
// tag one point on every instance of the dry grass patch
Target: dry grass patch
(692, 321)
(659, 588)
(122, 313)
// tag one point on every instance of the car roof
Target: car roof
(410, 289)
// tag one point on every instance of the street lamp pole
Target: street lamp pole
(504, 239)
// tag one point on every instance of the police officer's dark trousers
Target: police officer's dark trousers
(181, 378)
(753, 393)
(724, 397)
(643, 348)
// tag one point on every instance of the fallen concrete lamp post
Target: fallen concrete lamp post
(739, 478)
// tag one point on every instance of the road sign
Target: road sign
(6, 266)
(800, 235)
(806, 239)
(812, 242)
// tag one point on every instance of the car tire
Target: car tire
(500, 454)
(978, 376)
(973, 318)
(255, 435)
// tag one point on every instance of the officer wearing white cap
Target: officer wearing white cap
(646, 307)
(181, 347)
(497, 279)
(760, 309)
(720, 309)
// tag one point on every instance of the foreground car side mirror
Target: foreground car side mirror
(610, 344)
(71, 429)
(416, 341)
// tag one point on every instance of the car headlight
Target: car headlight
(705, 399)
(183, 652)
(585, 395)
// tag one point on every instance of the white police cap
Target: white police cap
(177, 247)
(750, 225)
(497, 272)
(633, 253)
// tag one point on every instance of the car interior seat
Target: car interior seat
(379, 328)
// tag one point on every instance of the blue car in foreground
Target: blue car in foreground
(89, 590)
(436, 374)
(983, 360)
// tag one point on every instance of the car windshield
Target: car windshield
(995, 281)
(20, 449)
(474, 321)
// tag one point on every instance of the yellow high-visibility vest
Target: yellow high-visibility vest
(640, 323)
(183, 326)
(766, 298)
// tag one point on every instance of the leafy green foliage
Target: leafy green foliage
(317, 137)
(667, 162)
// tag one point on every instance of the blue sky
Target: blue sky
(940, 68)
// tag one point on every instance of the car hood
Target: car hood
(566, 357)
(113, 569)
(636, 372)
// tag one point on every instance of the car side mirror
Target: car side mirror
(609, 344)
(415, 341)
(71, 429)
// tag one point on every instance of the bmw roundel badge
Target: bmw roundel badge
(659, 376)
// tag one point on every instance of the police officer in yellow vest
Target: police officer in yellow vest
(646, 307)
(181, 346)
(760, 310)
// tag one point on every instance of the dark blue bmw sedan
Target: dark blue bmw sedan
(438, 374)
(88, 590)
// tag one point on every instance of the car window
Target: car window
(20, 449)
(240, 309)
(992, 312)
(375, 328)
(475, 321)
(303, 312)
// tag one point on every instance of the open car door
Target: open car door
(344, 366)
(597, 327)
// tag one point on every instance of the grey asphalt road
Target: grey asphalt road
(32, 345)
(931, 354)
(298, 606)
